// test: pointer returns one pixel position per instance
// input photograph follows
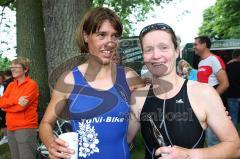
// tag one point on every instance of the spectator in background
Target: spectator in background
(7, 76)
(186, 71)
(20, 101)
(233, 93)
(1, 84)
(211, 70)
(2, 115)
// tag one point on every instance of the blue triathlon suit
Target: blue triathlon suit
(100, 117)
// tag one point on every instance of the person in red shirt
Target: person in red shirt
(20, 101)
(211, 70)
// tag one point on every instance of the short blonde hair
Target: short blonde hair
(24, 62)
(182, 62)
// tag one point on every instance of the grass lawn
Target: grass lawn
(138, 151)
(4, 152)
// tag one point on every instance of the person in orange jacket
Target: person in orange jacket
(20, 101)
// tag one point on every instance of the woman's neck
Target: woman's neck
(21, 79)
(167, 86)
(97, 70)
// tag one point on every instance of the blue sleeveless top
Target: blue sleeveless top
(100, 117)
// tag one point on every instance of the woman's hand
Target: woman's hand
(23, 101)
(58, 149)
(174, 152)
(147, 80)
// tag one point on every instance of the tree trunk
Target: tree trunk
(61, 19)
(31, 43)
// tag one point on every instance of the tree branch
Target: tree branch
(2, 15)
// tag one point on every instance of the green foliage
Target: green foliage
(138, 150)
(130, 11)
(4, 63)
(8, 3)
(208, 23)
(5, 2)
(222, 21)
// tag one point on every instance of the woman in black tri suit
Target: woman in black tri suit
(180, 110)
(178, 125)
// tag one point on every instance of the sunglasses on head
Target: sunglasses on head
(156, 26)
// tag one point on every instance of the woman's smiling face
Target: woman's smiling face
(159, 52)
(103, 43)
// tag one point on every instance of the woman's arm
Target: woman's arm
(138, 98)
(7, 99)
(134, 123)
(133, 79)
(57, 148)
(207, 99)
(221, 125)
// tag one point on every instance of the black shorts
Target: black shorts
(2, 119)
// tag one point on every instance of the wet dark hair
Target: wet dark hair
(91, 23)
(159, 26)
(204, 39)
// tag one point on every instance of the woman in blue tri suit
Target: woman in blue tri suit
(96, 94)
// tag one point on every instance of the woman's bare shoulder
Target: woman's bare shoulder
(68, 78)
(133, 79)
(202, 89)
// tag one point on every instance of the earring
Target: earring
(85, 37)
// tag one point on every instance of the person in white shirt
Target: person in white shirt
(211, 70)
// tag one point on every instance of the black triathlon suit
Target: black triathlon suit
(175, 120)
